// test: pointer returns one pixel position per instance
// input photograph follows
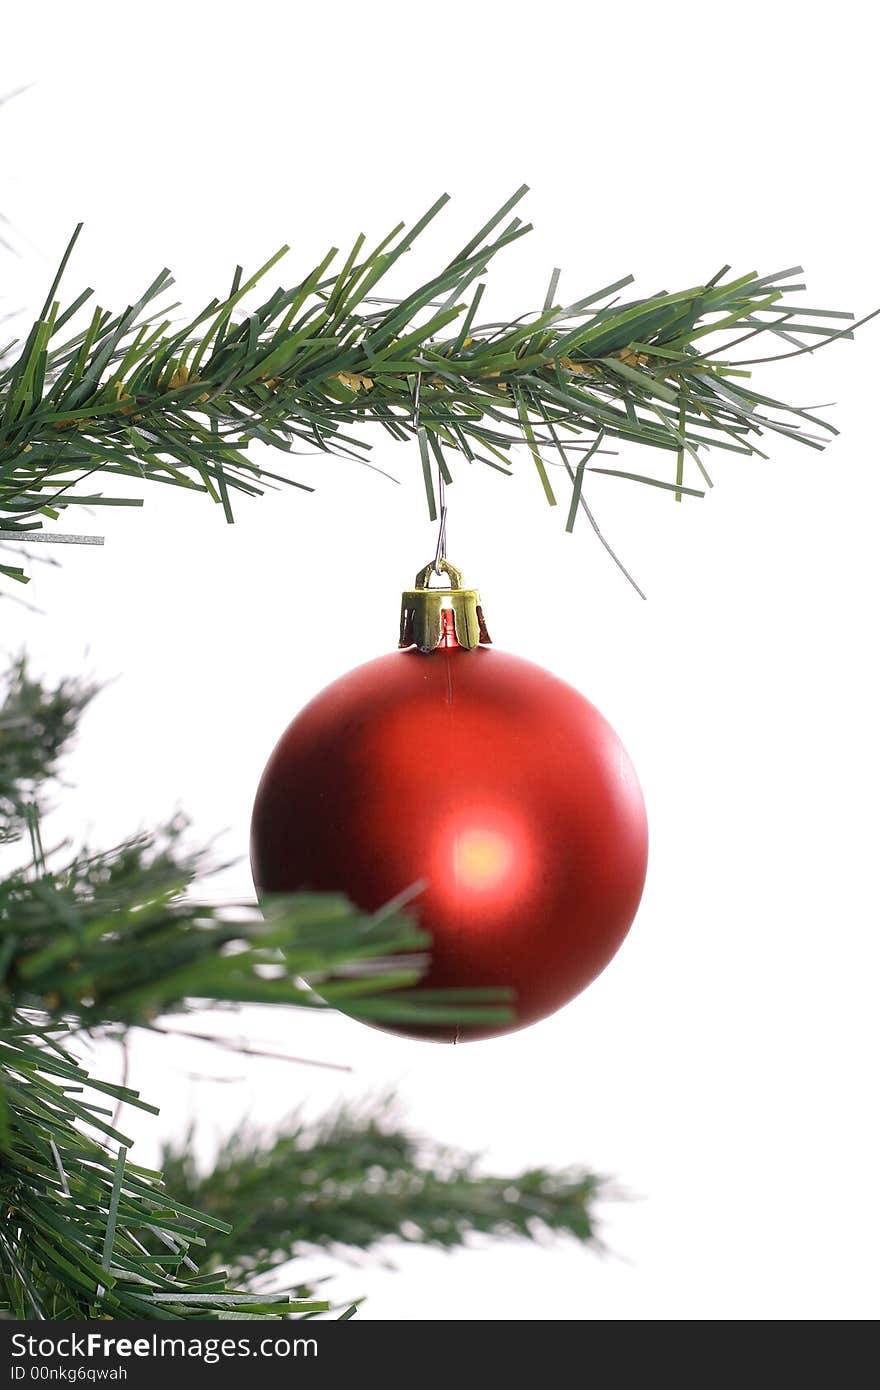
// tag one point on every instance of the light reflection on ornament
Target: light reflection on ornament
(482, 863)
(482, 859)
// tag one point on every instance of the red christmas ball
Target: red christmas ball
(492, 781)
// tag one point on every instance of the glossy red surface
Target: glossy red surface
(490, 779)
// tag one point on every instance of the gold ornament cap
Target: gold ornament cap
(422, 609)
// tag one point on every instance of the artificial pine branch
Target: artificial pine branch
(36, 725)
(85, 1232)
(114, 937)
(354, 1181)
(117, 936)
(130, 395)
(112, 940)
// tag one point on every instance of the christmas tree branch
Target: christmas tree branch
(111, 940)
(117, 937)
(85, 1232)
(114, 937)
(36, 726)
(354, 1181)
(132, 395)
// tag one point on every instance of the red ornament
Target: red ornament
(481, 774)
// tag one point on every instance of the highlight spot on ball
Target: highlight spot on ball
(482, 859)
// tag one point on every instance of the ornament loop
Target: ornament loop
(423, 578)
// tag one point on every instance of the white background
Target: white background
(723, 1068)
